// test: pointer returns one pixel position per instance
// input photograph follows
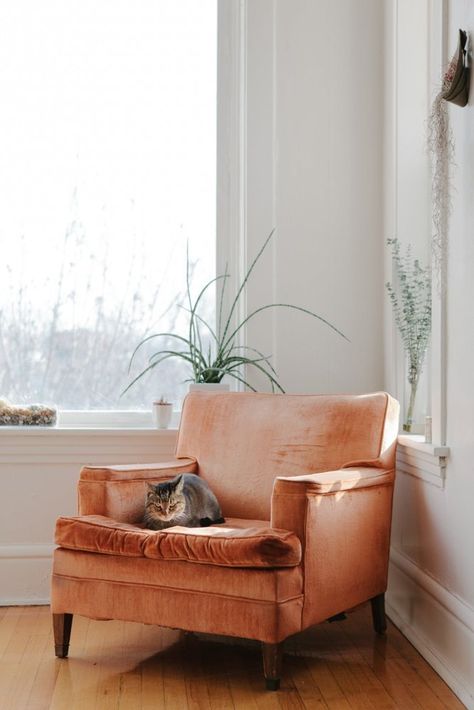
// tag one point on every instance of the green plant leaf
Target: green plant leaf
(219, 322)
(284, 305)
(177, 353)
(240, 379)
(150, 367)
(150, 337)
(247, 347)
(204, 322)
(194, 328)
(242, 286)
(255, 364)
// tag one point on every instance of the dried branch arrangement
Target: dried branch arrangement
(411, 305)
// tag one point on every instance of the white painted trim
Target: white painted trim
(450, 601)
(438, 22)
(424, 461)
(40, 447)
(438, 623)
(58, 432)
(231, 141)
(417, 442)
(390, 153)
(25, 602)
(110, 419)
(395, 381)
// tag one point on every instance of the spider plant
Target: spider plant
(224, 356)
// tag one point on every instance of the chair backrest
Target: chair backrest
(242, 441)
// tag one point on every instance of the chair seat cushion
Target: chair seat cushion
(237, 543)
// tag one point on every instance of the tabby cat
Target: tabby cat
(185, 500)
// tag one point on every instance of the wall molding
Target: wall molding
(452, 603)
(82, 446)
(425, 461)
(437, 622)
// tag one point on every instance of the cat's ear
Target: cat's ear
(150, 488)
(179, 484)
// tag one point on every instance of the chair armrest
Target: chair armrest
(343, 520)
(142, 471)
(332, 481)
(119, 491)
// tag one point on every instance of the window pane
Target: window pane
(107, 170)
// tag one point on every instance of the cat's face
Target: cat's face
(165, 500)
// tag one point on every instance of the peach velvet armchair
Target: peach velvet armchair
(305, 484)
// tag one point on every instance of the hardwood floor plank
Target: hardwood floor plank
(373, 649)
(110, 665)
(303, 681)
(123, 666)
(20, 693)
(329, 687)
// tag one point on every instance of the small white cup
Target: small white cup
(162, 413)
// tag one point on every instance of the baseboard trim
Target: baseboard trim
(25, 571)
(25, 602)
(451, 602)
(435, 621)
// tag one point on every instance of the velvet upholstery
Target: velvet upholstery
(242, 441)
(305, 484)
(226, 545)
(119, 491)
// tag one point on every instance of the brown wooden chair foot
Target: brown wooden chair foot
(62, 633)
(272, 656)
(378, 613)
(342, 616)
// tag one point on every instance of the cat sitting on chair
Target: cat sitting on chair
(185, 500)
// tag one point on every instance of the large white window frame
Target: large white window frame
(230, 208)
(416, 457)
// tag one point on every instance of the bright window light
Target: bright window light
(107, 171)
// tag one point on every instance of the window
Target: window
(418, 58)
(108, 170)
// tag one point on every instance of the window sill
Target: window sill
(53, 431)
(420, 460)
(122, 422)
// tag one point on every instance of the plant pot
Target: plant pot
(209, 387)
(162, 413)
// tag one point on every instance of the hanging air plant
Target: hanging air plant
(455, 88)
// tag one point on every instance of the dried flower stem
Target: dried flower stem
(412, 311)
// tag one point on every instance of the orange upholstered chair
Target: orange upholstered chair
(305, 484)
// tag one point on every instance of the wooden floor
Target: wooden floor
(130, 666)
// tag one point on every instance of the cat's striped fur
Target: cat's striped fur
(185, 500)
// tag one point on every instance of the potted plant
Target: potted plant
(162, 413)
(412, 312)
(224, 356)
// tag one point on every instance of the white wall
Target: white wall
(39, 471)
(431, 591)
(314, 171)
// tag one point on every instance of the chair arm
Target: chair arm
(332, 481)
(142, 471)
(119, 491)
(343, 521)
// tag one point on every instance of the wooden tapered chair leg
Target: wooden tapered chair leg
(272, 657)
(62, 633)
(378, 613)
